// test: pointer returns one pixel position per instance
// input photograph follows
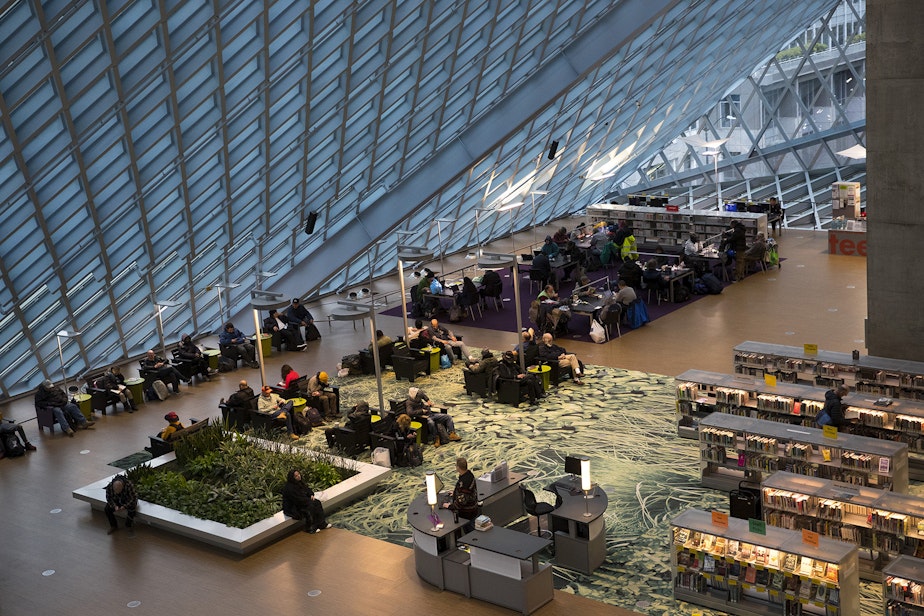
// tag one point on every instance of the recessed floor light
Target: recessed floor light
(801, 265)
(771, 279)
(48, 572)
(314, 593)
(55, 511)
(409, 540)
(133, 604)
(790, 333)
(84, 452)
(860, 341)
(850, 286)
(832, 309)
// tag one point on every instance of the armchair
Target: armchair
(481, 383)
(409, 363)
(295, 390)
(511, 391)
(386, 351)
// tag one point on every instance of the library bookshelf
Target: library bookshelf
(734, 448)
(750, 569)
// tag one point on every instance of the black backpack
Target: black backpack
(712, 283)
(314, 416)
(12, 446)
(414, 457)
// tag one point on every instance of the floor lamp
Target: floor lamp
(478, 227)
(226, 286)
(160, 306)
(263, 300)
(439, 235)
(509, 207)
(532, 196)
(64, 334)
(491, 260)
(349, 310)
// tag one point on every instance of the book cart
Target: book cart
(700, 393)
(733, 448)
(727, 564)
(902, 587)
(882, 376)
(884, 525)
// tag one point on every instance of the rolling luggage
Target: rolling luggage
(744, 502)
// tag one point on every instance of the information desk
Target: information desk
(501, 500)
(505, 569)
(579, 526)
(436, 557)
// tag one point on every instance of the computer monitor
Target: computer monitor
(572, 465)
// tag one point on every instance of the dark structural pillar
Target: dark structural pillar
(895, 178)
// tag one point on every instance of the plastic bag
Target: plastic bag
(597, 332)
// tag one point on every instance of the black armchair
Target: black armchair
(351, 440)
(512, 391)
(296, 388)
(101, 398)
(236, 416)
(368, 362)
(409, 363)
(314, 402)
(481, 383)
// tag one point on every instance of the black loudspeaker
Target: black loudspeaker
(309, 226)
(552, 149)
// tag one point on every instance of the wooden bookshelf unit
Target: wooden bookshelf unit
(735, 568)
(734, 448)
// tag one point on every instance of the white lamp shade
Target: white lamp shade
(585, 474)
(431, 488)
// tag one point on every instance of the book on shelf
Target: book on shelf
(708, 563)
(763, 577)
(683, 535)
(720, 546)
(805, 590)
(732, 549)
(821, 592)
(790, 562)
(760, 555)
(834, 596)
(750, 575)
(708, 542)
(776, 580)
(744, 551)
(831, 572)
(818, 568)
(683, 559)
(805, 567)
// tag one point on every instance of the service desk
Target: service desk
(505, 569)
(436, 557)
(501, 500)
(579, 526)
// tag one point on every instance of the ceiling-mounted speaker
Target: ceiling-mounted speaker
(312, 220)
(552, 149)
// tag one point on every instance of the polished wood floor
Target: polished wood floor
(814, 298)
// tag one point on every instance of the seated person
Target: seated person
(630, 272)
(464, 501)
(468, 296)
(277, 325)
(610, 304)
(528, 346)
(159, 368)
(113, 381)
(243, 400)
(418, 406)
(626, 294)
(235, 346)
(381, 339)
(299, 503)
(53, 398)
(9, 426)
(586, 289)
(541, 269)
(491, 286)
(445, 337)
(173, 425)
(288, 375)
(414, 331)
(487, 363)
(404, 437)
(120, 496)
(653, 277)
(299, 317)
(548, 294)
(550, 248)
(598, 240)
(549, 352)
(436, 287)
(756, 251)
(271, 404)
(327, 399)
(692, 247)
(561, 237)
(189, 352)
(509, 368)
(359, 419)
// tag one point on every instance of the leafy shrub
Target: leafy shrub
(221, 476)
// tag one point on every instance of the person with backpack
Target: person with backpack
(11, 445)
(174, 425)
(832, 414)
(328, 400)
(299, 503)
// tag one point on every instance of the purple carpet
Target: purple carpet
(579, 325)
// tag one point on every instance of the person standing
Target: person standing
(299, 503)
(774, 214)
(120, 496)
(833, 408)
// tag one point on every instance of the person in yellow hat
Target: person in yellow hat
(327, 400)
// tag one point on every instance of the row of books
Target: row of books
(895, 523)
(780, 404)
(765, 444)
(718, 436)
(862, 461)
(737, 397)
(905, 590)
(687, 391)
(875, 419)
(783, 499)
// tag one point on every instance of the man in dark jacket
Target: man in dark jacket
(738, 240)
(120, 496)
(242, 401)
(189, 352)
(160, 368)
(834, 407)
(509, 368)
(298, 502)
(299, 316)
(53, 398)
(280, 328)
(549, 353)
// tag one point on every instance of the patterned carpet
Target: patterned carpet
(623, 420)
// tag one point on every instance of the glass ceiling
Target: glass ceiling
(151, 150)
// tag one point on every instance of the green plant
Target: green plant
(222, 476)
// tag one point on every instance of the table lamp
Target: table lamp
(585, 483)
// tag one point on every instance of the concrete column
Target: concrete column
(895, 178)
